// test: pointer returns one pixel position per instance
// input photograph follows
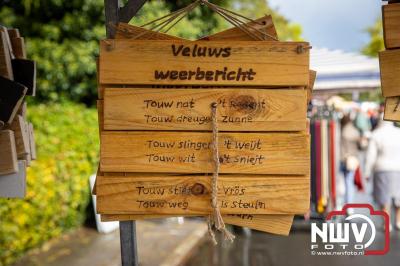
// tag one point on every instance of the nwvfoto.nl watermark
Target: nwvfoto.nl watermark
(354, 236)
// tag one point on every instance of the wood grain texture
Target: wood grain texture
(32, 143)
(389, 62)
(392, 109)
(13, 33)
(264, 24)
(310, 87)
(5, 58)
(14, 185)
(391, 25)
(274, 223)
(128, 31)
(8, 153)
(274, 63)
(21, 138)
(18, 45)
(190, 109)
(190, 152)
(160, 194)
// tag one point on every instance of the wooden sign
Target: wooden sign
(128, 31)
(11, 97)
(389, 62)
(25, 73)
(392, 109)
(14, 185)
(190, 109)
(391, 25)
(273, 223)
(191, 152)
(263, 24)
(191, 194)
(310, 87)
(8, 153)
(21, 136)
(255, 63)
(18, 45)
(5, 58)
(32, 143)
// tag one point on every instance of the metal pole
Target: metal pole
(114, 13)
(127, 231)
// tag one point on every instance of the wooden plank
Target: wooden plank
(11, 97)
(100, 113)
(391, 25)
(18, 45)
(254, 63)
(190, 109)
(22, 110)
(392, 109)
(32, 143)
(14, 185)
(190, 152)
(5, 58)
(389, 62)
(8, 153)
(274, 223)
(160, 194)
(14, 33)
(310, 87)
(25, 73)
(21, 138)
(264, 24)
(128, 31)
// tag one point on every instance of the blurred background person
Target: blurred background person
(384, 166)
(350, 140)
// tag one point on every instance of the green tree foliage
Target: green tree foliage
(376, 40)
(62, 36)
(58, 192)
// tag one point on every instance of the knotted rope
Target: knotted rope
(215, 219)
(237, 20)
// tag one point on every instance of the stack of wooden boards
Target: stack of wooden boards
(389, 60)
(155, 96)
(17, 144)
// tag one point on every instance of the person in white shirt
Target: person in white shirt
(383, 164)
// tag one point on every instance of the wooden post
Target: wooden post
(114, 14)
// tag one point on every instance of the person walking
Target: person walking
(383, 165)
(350, 140)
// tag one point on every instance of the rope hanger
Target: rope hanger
(167, 22)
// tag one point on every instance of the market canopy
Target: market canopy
(343, 72)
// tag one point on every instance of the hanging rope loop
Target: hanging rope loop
(215, 219)
(167, 22)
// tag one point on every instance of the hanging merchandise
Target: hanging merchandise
(17, 142)
(187, 130)
(389, 60)
(325, 136)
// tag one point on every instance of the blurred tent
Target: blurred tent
(343, 72)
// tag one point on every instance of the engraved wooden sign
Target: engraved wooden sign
(191, 152)
(251, 63)
(191, 194)
(392, 109)
(189, 109)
